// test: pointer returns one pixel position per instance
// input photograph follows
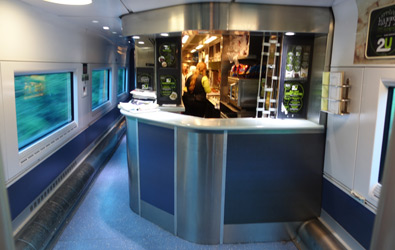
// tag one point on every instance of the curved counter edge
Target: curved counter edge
(168, 119)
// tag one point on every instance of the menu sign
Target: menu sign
(381, 33)
(168, 87)
(293, 97)
(167, 55)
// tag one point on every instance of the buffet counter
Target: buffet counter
(214, 181)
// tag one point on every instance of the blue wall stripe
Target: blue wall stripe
(27, 188)
(349, 213)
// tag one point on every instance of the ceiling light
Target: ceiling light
(114, 32)
(199, 46)
(164, 34)
(70, 2)
(141, 42)
(135, 37)
(95, 21)
(185, 38)
(210, 39)
(289, 33)
(193, 51)
(106, 27)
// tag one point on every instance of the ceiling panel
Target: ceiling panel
(139, 5)
(105, 8)
(105, 12)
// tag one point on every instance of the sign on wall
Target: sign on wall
(380, 41)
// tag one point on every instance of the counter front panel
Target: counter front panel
(213, 181)
(273, 177)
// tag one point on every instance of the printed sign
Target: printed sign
(293, 97)
(168, 87)
(167, 55)
(381, 33)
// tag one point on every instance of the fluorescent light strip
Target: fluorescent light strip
(193, 51)
(164, 34)
(210, 39)
(106, 27)
(185, 38)
(199, 46)
(70, 2)
(289, 33)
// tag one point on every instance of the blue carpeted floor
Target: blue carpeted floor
(105, 221)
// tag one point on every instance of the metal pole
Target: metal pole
(6, 238)
(384, 225)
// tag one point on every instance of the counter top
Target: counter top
(233, 124)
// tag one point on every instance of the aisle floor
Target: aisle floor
(104, 219)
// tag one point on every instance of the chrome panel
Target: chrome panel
(199, 185)
(260, 232)
(318, 67)
(133, 164)
(157, 216)
(197, 16)
(314, 235)
(278, 18)
(175, 181)
(228, 16)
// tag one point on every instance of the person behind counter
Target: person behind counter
(196, 87)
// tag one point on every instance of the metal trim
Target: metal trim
(225, 151)
(228, 17)
(260, 232)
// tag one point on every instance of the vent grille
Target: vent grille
(51, 187)
(35, 155)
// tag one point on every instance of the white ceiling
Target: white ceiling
(108, 12)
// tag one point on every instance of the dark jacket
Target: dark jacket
(198, 93)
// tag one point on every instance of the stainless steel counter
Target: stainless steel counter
(214, 181)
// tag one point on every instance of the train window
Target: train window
(100, 87)
(121, 81)
(389, 117)
(43, 104)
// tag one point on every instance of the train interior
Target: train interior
(64, 69)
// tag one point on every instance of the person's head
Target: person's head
(200, 70)
(185, 69)
(192, 69)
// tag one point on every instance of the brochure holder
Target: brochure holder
(334, 95)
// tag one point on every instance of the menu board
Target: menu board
(298, 58)
(381, 31)
(293, 97)
(168, 53)
(145, 78)
(295, 76)
(168, 87)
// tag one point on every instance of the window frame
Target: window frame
(373, 103)
(109, 89)
(125, 80)
(71, 107)
(19, 162)
(387, 127)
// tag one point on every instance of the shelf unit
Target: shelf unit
(267, 100)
